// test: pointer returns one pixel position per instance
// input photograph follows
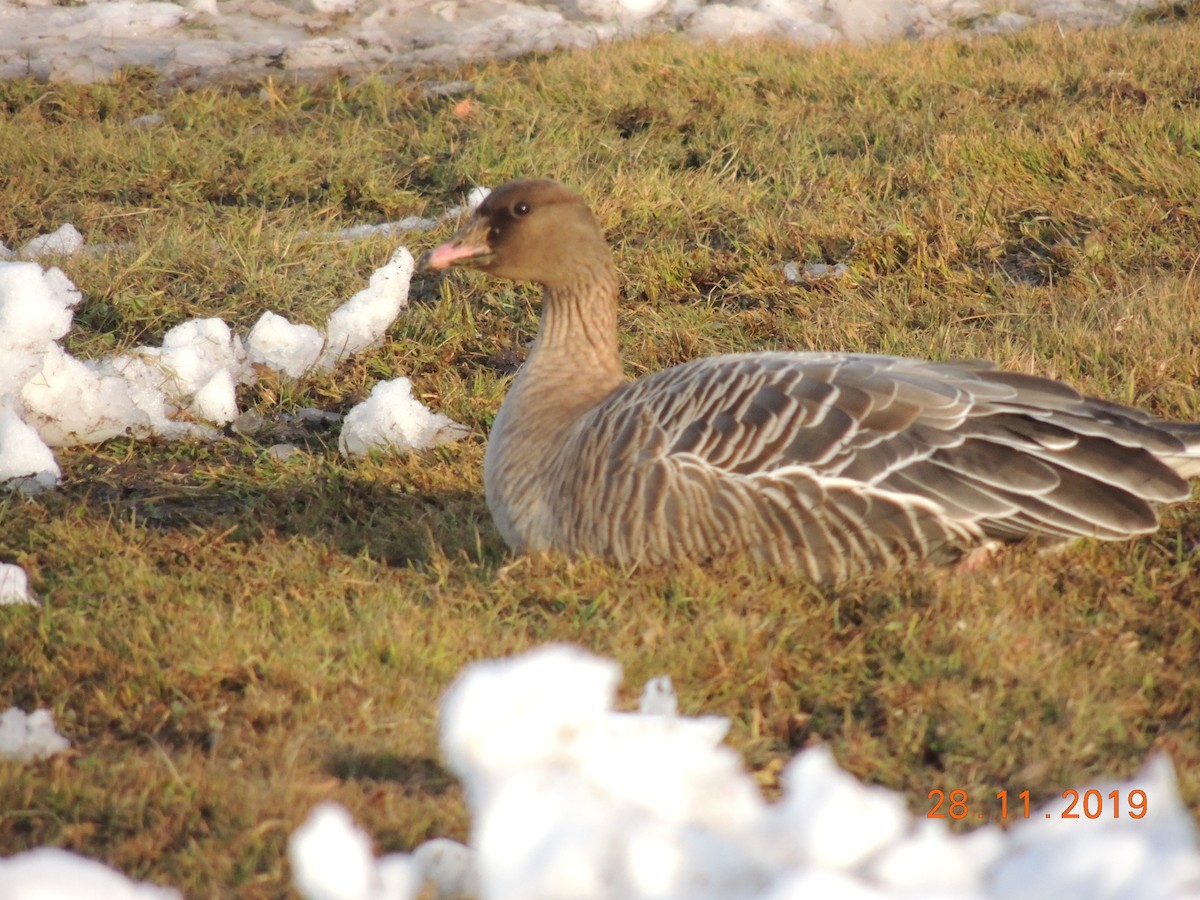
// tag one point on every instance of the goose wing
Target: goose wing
(835, 463)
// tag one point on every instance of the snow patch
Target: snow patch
(187, 387)
(26, 463)
(289, 349)
(92, 41)
(361, 321)
(64, 242)
(29, 737)
(392, 418)
(14, 587)
(51, 874)
(331, 860)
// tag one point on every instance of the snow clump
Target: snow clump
(26, 737)
(187, 387)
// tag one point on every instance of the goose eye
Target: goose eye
(521, 209)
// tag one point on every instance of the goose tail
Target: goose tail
(1187, 462)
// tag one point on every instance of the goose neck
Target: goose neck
(579, 329)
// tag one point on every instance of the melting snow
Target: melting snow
(64, 242)
(331, 860)
(51, 874)
(14, 587)
(796, 271)
(362, 320)
(289, 349)
(187, 387)
(26, 463)
(90, 41)
(27, 737)
(391, 417)
(569, 798)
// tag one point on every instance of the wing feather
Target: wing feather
(836, 463)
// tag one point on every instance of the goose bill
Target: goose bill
(468, 247)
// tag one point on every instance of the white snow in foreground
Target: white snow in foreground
(26, 463)
(91, 41)
(14, 587)
(331, 860)
(569, 798)
(51, 874)
(187, 387)
(25, 737)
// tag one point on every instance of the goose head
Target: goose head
(535, 231)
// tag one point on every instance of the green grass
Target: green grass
(228, 640)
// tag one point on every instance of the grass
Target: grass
(228, 640)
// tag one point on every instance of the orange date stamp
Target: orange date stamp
(1088, 804)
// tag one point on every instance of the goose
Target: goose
(832, 464)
